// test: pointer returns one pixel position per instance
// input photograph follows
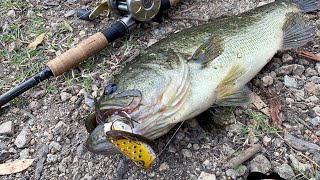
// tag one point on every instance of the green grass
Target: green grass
(262, 121)
(12, 4)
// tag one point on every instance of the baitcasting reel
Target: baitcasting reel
(140, 10)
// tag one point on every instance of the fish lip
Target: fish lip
(107, 108)
(98, 143)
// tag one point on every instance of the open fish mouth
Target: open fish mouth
(112, 129)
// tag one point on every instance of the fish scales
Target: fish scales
(186, 73)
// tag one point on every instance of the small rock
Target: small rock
(11, 13)
(234, 173)
(89, 101)
(267, 80)
(61, 128)
(206, 162)
(7, 128)
(235, 128)
(266, 140)
(260, 164)
(4, 155)
(42, 155)
(284, 171)
(65, 96)
(310, 72)
(69, 13)
(22, 139)
(293, 69)
(87, 177)
(315, 121)
(38, 94)
(315, 79)
(290, 82)
(52, 158)
(287, 58)
(317, 110)
(196, 147)
(318, 68)
(187, 153)
(300, 144)
(164, 166)
(80, 150)
(312, 99)
(34, 105)
(312, 88)
(24, 154)
(298, 94)
(206, 176)
(172, 148)
(54, 146)
(30, 13)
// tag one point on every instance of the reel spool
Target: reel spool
(141, 10)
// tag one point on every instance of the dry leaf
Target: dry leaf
(36, 42)
(309, 55)
(274, 104)
(15, 166)
(260, 105)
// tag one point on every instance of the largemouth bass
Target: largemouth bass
(186, 73)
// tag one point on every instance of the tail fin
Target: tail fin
(307, 5)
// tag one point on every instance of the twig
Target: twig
(309, 55)
(189, 9)
(245, 155)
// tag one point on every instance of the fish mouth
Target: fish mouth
(109, 109)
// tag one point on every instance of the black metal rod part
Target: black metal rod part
(23, 87)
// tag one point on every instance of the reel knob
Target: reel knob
(144, 10)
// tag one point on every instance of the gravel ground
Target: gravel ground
(47, 123)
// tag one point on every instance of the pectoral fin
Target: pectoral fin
(208, 51)
(228, 93)
(296, 32)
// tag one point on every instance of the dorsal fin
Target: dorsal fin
(296, 32)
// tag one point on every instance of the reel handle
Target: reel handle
(78, 54)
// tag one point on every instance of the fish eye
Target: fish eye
(110, 89)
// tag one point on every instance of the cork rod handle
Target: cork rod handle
(78, 54)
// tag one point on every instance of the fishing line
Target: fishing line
(170, 139)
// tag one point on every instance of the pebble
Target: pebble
(239, 171)
(87, 177)
(310, 72)
(164, 166)
(30, 13)
(317, 110)
(187, 153)
(284, 171)
(260, 164)
(300, 144)
(22, 139)
(290, 82)
(42, 155)
(293, 69)
(315, 79)
(7, 128)
(52, 158)
(287, 58)
(196, 147)
(89, 101)
(11, 13)
(318, 68)
(315, 121)
(267, 80)
(312, 99)
(312, 88)
(65, 96)
(34, 105)
(61, 128)
(206, 176)
(37, 94)
(24, 154)
(54, 146)
(266, 140)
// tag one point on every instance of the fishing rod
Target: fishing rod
(134, 12)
